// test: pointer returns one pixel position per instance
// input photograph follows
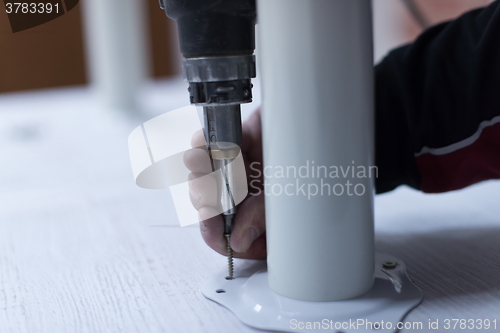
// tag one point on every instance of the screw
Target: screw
(229, 258)
(389, 264)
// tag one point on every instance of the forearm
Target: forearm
(438, 106)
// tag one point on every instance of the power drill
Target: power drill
(217, 41)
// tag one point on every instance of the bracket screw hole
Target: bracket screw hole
(220, 291)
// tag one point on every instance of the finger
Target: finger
(253, 171)
(202, 191)
(249, 223)
(257, 250)
(247, 139)
(197, 160)
(212, 230)
(198, 139)
(252, 137)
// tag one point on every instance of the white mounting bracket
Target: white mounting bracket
(249, 297)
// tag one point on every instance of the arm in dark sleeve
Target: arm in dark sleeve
(438, 106)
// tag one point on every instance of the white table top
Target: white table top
(82, 249)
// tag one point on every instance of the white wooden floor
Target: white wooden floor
(82, 249)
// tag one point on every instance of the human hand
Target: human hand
(248, 238)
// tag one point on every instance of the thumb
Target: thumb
(250, 224)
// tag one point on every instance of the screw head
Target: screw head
(389, 264)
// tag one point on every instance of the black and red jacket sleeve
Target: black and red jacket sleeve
(438, 106)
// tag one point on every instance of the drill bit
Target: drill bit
(223, 136)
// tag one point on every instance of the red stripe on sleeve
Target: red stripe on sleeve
(461, 168)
